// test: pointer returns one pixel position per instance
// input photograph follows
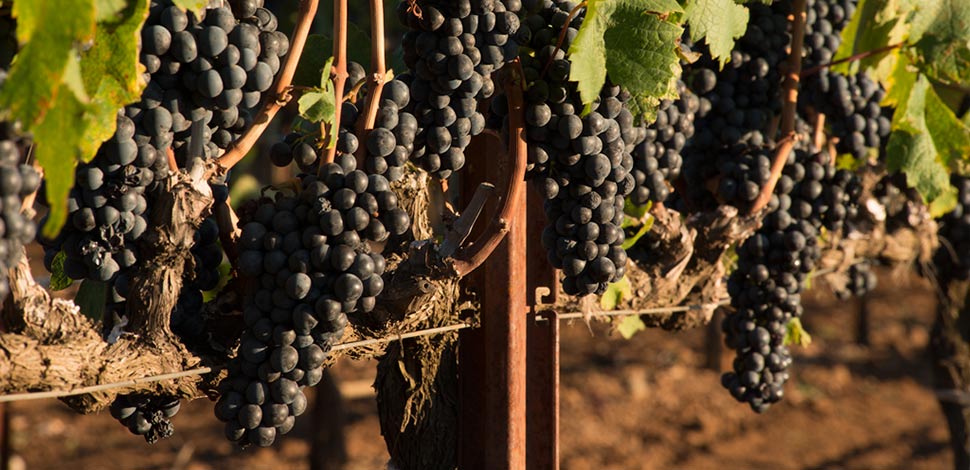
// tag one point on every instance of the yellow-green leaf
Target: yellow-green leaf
(874, 25)
(796, 334)
(195, 6)
(719, 22)
(629, 326)
(57, 151)
(615, 293)
(926, 140)
(49, 31)
(942, 49)
(59, 279)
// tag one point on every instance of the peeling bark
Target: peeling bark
(166, 250)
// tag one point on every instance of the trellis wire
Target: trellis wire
(340, 347)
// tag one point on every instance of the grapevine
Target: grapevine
(615, 160)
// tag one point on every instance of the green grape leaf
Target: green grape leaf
(615, 293)
(58, 149)
(927, 138)
(91, 299)
(944, 204)
(849, 162)
(899, 83)
(941, 31)
(316, 105)
(112, 72)
(635, 211)
(73, 80)
(319, 104)
(49, 37)
(108, 10)
(875, 24)
(719, 22)
(630, 326)
(730, 259)
(644, 229)
(795, 333)
(59, 279)
(195, 6)
(602, 47)
(106, 77)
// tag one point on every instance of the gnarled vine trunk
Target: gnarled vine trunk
(950, 348)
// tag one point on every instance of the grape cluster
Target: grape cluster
(107, 211)
(581, 164)
(388, 144)
(584, 237)
(305, 148)
(765, 290)
(146, 415)
(658, 159)
(861, 281)
(772, 266)
(213, 69)
(309, 258)
(743, 176)
(736, 105)
(452, 47)
(952, 259)
(850, 103)
(550, 95)
(391, 141)
(17, 181)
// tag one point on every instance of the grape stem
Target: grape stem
(331, 132)
(789, 106)
(851, 58)
(172, 164)
(819, 130)
(562, 35)
(472, 256)
(375, 80)
(280, 95)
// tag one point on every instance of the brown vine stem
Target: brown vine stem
(562, 34)
(819, 130)
(789, 106)
(470, 258)
(141, 382)
(173, 166)
(339, 78)
(376, 79)
(280, 94)
(852, 58)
